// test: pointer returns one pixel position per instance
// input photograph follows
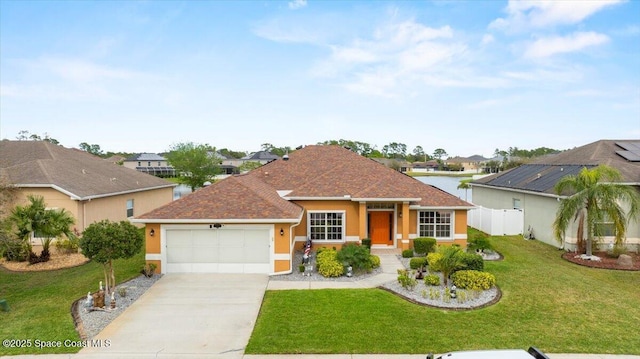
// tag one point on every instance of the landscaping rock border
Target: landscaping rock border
(90, 323)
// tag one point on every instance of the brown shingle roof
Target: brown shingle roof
(237, 197)
(314, 172)
(77, 173)
(332, 171)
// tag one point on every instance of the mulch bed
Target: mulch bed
(606, 261)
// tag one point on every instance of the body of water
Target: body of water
(448, 184)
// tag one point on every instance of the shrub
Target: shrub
(472, 261)
(366, 242)
(432, 279)
(417, 262)
(474, 280)
(617, 250)
(375, 261)
(433, 260)
(424, 245)
(13, 249)
(68, 246)
(328, 264)
(406, 280)
(481, 242)
(355, 256)
(407, 253)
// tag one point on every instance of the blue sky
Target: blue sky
(468, 77)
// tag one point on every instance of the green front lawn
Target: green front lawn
(547, 302)
(40, 302)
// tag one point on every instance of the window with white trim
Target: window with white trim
(435, 224)
(129, 208)
(326, 226)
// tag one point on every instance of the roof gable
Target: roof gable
(236, 197)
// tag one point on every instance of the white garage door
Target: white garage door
(222, 250)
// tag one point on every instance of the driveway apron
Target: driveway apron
(188, 314)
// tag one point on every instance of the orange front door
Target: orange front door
(380, 227)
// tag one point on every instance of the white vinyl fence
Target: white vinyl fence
(496, 222)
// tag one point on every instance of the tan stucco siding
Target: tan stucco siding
(352, 215)
(282, 243)
(52, 199)
(114, 208)
(152, 243)
(461, 222)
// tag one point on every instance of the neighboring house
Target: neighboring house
(429, 166)
(467, 164)
(90, 188)
(255, 221)
(530, 187)
(150, 163)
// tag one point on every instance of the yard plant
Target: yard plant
(544, 301)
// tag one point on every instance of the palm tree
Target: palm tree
(595, 198)
(450, 262)
(465, 185)
(36, 219)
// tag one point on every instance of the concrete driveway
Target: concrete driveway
(186, 315)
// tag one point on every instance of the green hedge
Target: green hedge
(424, 245)
(472, 261)
(417, 262)
(407, 253)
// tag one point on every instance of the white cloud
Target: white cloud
(487, 39)
(549, 46)
(297, 4)
(523, 15)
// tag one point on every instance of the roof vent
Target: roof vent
(84, 172)
(561, 169)
(539, 175)
(286, 156)
(207, 184)
(299, 147)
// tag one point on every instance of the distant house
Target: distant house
(254, 222)
(150, 163)
(428, 166)
(90, 188)
(232, 165)
(530, 187)
(467, 164)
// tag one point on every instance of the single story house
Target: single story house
(254, 222)
(530, 187)
(90, 188)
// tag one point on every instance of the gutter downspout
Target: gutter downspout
(293, 241)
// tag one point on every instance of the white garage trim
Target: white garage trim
(226, 258)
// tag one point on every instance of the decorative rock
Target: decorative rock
(625, 260)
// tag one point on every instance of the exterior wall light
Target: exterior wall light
(152, 232)
(281, 232)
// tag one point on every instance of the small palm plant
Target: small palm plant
(450, 261)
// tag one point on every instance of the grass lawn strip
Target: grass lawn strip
(547, 302)
(40, 302)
